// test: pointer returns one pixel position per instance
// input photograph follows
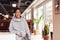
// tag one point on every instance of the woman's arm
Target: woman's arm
(27, 30)
(11, 28)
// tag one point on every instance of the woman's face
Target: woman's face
(18, 13)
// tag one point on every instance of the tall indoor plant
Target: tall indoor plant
(37, 21)
(46, 32)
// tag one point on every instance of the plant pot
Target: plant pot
(35, 32)
(46, 37)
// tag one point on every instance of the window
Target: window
(27, 16)
(49, 15)
(30, 17)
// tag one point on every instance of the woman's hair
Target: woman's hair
(16, 9)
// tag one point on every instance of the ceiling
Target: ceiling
(6, 5)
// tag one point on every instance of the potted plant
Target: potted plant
(36, 21)
(46, 32)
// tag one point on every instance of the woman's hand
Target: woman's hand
(25, 38)
(20, 34)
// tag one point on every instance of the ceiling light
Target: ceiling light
(13, 5)
(0, 13)
(6, 16)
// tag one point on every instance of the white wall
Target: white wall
(56, 24)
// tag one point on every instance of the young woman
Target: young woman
(18, 25)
